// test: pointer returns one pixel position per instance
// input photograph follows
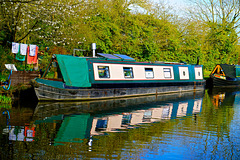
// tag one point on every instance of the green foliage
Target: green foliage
(5, 106)
(6, 57)
(206, 74)
(5, 99)
(154, 34)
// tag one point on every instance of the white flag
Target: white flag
(32, 50)
(23, 49)
(15, 47)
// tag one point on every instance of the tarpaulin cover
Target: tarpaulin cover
(229, 70)
(74, 70)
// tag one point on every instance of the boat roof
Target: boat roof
(72, 73)
(120, 57)
(229, 70)
(75, 70)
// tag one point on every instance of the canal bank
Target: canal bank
(20, 94)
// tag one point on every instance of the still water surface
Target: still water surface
(201, 125)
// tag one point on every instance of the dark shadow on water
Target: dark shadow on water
(25, 98)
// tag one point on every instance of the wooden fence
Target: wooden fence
(23, 77)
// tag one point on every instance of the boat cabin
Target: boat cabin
(224, 71)
(107, 71)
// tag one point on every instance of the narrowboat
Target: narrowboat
(105, 76)
(225, 75)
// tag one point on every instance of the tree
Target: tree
(41, 22)
(222, 18)
(193, 40)
(115, 28)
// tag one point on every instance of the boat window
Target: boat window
(103, 72)
(128, 72)
(184, 73)
(149, 73)
(167, 73)
(199, 73)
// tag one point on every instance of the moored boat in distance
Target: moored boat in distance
(70, 78)
(225, 75)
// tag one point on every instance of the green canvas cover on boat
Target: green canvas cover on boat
(229, 70)
(74, 70)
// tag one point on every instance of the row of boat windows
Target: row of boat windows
(103, 72)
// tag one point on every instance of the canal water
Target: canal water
(193, 125)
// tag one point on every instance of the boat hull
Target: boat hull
(46, 109)
(220, 82)
(48, 93)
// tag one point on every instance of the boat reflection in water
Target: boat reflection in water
(226, 97)
(74, 122)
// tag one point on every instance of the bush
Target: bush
(5, 99)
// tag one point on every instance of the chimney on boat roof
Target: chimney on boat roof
(94, 48)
